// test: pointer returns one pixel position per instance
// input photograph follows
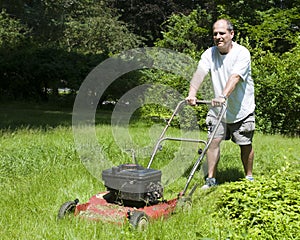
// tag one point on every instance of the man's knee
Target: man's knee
(215, 143)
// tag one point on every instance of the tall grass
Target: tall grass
(40, 169)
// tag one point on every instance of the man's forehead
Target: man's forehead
(220, 25)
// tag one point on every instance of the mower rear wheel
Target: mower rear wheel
(139, 220)
(67, 208)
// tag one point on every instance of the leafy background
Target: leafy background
(50, 45)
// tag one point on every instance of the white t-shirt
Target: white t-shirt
(238, 61)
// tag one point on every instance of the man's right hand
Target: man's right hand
(191, 100)
(217, 102)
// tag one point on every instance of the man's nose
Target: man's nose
(219, 35)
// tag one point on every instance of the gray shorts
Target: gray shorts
(240, 132)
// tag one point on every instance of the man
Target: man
(229, 65)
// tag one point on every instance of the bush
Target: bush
(268, 208)
(35, 72)
(277, 89)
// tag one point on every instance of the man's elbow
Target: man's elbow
(235, 77)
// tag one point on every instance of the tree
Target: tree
(13, 34)
(188, 34)
(275, 29)
(12, 31)
(147, 16)
(96, 30)
(67, 39)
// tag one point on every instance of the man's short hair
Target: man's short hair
(229, 24)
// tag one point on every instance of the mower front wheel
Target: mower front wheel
(67, 208)
(139, 220)
(184, 204)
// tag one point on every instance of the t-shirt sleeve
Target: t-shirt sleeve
(242, 66)
(204, 64)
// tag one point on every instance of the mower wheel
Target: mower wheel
(184, 204)
(139, 220)
(67, 208)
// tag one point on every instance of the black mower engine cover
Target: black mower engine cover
(134, 182)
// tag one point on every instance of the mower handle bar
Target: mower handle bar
(198, 102)
(169, 123)
(199, 160)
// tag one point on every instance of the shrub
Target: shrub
(277, 91)
(268, 208)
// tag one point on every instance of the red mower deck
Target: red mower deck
(98, 208)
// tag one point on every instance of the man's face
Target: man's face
(222, 36)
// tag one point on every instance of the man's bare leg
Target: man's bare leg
(247, 156)
(213, 156)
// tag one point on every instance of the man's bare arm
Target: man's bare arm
(229, 88)
(195, 84)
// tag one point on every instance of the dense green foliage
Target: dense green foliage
(188, 33)
(67, 39)
(46, 45)
(12, 32)
(278, 92)
(268, 208)
(147, 16)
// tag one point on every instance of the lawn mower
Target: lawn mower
(134, 193)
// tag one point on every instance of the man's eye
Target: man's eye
(221, 33)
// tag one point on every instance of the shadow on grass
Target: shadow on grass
(16, 115)
(229, 175)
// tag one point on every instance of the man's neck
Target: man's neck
(226, 50)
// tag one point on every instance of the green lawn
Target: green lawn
(40, 169)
